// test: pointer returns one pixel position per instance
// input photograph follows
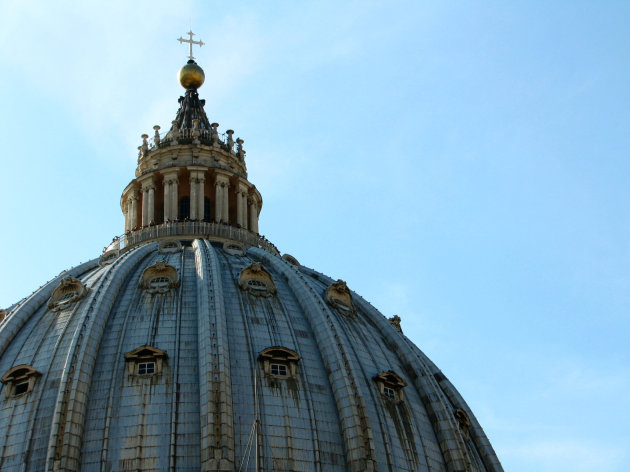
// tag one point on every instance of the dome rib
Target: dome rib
(217, 442)
(304, 375)
(111, 382)
(356, 430)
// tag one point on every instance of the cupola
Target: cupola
(192, 180)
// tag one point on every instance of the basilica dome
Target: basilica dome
(192, 344)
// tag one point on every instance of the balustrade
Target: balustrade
(199, 229)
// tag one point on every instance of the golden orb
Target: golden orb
(191, 75)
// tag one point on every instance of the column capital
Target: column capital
(146, 182)
(170, 173)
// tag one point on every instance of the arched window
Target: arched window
(290, 259)
(170, 247)
(66, 294)
(233, 248)
(108, 257)
(338, 296)
(463, 422)
(159, 278)
(256, 280)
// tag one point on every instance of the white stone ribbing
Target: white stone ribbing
(217, 434)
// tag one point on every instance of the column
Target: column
(222, 183)
(170, 194)
(226, 202)
(194, 200)
(126, 213)
(167, 199)
(201, 187)
(218, 203)
(146, 183)
(239, 206)
(244, 210)
(145, 206)
(253, 216)
(151, 204)
(134, 210)
(174, 198)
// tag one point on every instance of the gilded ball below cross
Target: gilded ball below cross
(191, 75)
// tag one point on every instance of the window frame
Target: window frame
(281, 370)
(19, 376)
(147, 366)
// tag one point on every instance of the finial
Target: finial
(191, 76)
(156, 137)
(239, 148)
(214, 134)
(230, 140)
(190, 42)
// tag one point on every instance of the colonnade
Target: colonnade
(141, 198)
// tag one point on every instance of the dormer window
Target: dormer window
(108, 257)
(159, 278)
(145, 361)
(19, 380)
(279, 362)
(291, 260)
(234, 248)
(170, 247)
(463, 422)
(256, 280)
(66, 294)
(338, 296)
(390, 385)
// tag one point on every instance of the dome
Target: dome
(193, 344)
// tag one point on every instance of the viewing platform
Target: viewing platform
(189, 230)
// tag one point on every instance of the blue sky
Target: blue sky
(461, 164)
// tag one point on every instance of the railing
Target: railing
(191, 135)
(200, 229)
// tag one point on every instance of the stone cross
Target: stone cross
(191, 42)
